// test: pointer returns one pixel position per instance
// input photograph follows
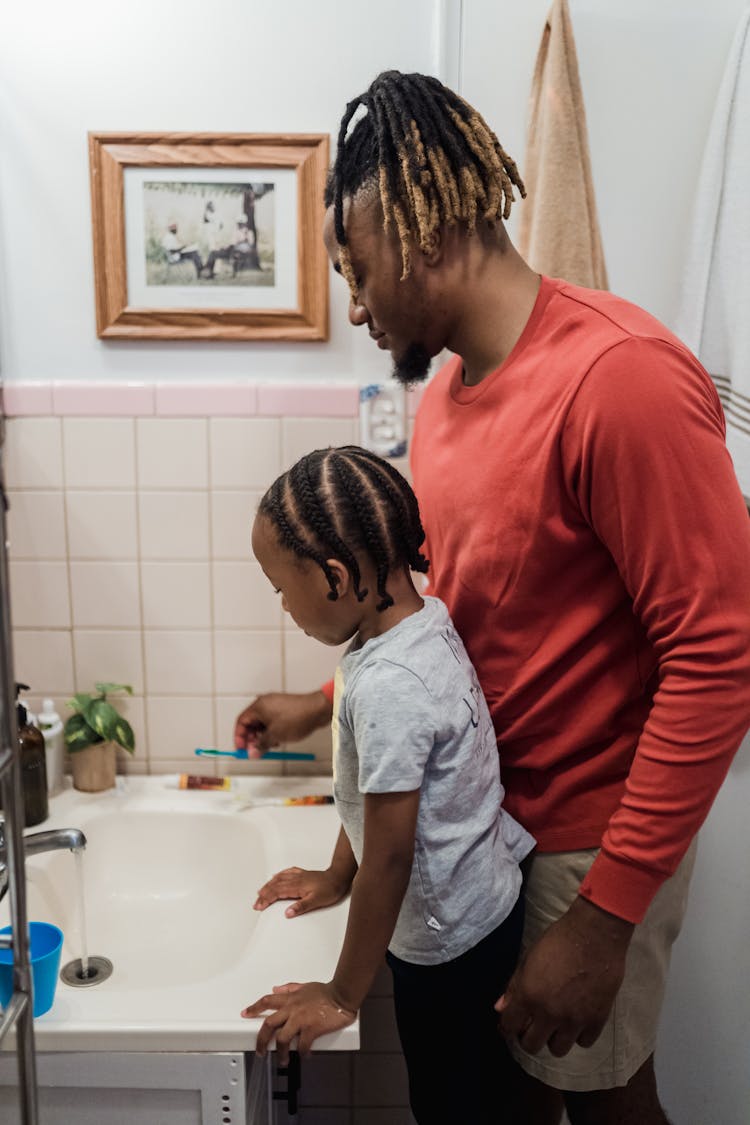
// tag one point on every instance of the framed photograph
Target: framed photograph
(209, 236)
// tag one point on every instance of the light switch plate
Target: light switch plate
(382, 419)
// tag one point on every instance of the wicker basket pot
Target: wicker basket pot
(94, 767)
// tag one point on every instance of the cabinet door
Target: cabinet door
(139, 1088)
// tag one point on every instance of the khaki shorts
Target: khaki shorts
(629, 1036)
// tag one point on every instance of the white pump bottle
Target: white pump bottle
(50, 724)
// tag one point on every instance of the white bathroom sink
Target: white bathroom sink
(169, 883)
(169, 894)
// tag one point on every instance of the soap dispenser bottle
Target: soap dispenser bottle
(33, 766)
(51, 726)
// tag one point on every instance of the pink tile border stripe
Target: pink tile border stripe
(302, 400)
(27, 399)
(204, 400)
(120, 399)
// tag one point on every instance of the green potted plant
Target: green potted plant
(91, 733)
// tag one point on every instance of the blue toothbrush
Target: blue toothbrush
(269, 756)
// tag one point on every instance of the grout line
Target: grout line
(139, 557)
(212, 590)
(68, 561)
(283, 634)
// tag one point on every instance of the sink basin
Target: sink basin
(170, 878)
(167, 895)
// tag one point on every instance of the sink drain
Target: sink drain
(98, 970)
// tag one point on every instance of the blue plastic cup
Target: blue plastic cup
(46, 943)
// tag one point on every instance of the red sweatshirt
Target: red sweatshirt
(586, 531)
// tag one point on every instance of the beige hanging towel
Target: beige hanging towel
(559, 232)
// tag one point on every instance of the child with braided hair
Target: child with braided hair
(425, 847)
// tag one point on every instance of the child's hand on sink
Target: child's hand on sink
(311, 889)
(301, 1011)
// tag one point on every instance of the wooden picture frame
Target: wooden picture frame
(155, 274)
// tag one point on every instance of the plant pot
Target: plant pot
(94, 767)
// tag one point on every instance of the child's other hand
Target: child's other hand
(302, 1011)
(311, 889)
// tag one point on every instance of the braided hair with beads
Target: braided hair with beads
(345, 501)
(433, 157)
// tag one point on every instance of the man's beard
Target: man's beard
(413, 367)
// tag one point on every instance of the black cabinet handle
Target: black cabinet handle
(293, 1075)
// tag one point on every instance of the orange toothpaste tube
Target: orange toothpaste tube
(306, 800)
(226, 784)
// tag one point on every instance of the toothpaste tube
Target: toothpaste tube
(198, 781)
(310, 800)
(227, 784)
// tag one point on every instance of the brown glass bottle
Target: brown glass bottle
(33, 768)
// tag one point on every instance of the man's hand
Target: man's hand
(302, 1011)
(563, 990)
(311, 889)
(280, 717)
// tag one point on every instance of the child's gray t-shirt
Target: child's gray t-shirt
(409, 714)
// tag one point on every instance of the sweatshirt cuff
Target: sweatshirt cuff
(620, 888)
(327, 690)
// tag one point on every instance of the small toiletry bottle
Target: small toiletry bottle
(33, 766)
(51, 726)
(198, 781)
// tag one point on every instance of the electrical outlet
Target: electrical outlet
(382, 419)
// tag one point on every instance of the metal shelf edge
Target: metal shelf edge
(16, 1005)
(6, 759)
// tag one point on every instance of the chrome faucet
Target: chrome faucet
(54, 840)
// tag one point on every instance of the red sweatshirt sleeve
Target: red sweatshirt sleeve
(645, 457)
(327, 690)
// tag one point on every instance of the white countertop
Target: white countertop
(170, 878)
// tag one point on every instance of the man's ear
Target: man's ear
(434, 256)
(341, 576)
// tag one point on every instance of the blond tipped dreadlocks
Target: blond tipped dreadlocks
(434, 159)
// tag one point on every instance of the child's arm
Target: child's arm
(377, 892)
(312, 889)
(306, 1011)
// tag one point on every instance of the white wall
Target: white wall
(650, 71)
(227, 66)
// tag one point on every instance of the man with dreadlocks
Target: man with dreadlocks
(588, 536)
